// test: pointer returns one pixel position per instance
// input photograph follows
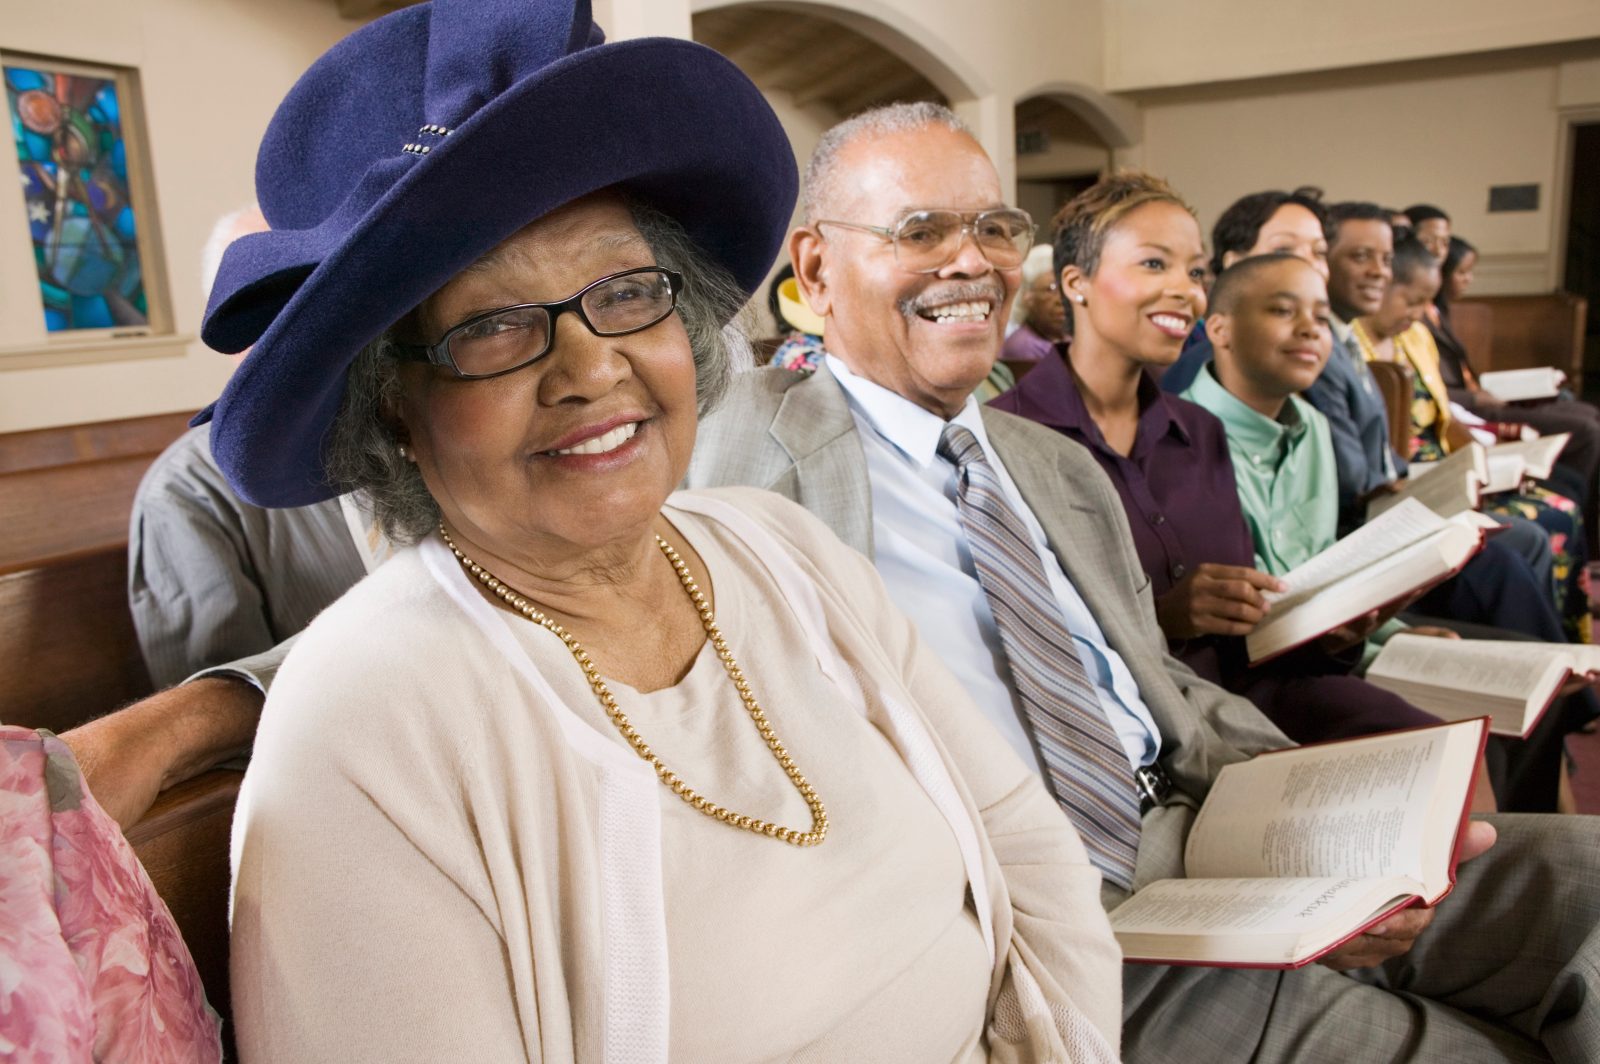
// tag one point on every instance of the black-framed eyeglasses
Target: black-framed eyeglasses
(500, 341)
(926, 240)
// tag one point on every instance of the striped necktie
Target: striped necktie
(1087, 767)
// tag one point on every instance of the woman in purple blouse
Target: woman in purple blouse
(1131, 261)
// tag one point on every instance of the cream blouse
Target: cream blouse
(444, 850)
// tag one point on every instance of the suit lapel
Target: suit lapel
(815, 428)
(1072, 526)
(1098, 564)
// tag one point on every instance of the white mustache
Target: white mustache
(971, 292)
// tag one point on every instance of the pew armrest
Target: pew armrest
(1395, 385)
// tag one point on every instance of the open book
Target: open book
(1538, 456)
(1446, 487)
(1512, 683)
(1512, 385)
(1407, 548)
(1297, 851)
(1506, 466)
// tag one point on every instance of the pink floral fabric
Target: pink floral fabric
(92, 967)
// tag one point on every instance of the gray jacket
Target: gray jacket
(795, 435)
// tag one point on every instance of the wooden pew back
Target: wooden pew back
(1395, 385)
(70, 652)
(1527, 331)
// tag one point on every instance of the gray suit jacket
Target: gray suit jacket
(795, 435)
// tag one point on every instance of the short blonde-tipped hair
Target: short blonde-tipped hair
(1080, 228)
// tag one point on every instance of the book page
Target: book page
(1540, 382)
(1539, 455)
(1509, 669)
(1298, 618)
(1235, 906)
(1349, 809)
(1450, 487)
(1505, 473)
(1402, 525)
(1585, 657)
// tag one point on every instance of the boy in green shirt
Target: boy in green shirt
(1268, 322)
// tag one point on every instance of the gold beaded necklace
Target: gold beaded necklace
(819, 814)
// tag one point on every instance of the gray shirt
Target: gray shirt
(213, 579)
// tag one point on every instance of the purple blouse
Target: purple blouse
(1025, 345)
(1178, 490)
(1177, 483)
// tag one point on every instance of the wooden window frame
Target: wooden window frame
(44, 349)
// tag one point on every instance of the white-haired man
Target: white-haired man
(905, 253)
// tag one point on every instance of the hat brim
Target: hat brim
(672, 122)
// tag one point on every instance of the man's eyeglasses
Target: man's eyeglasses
(500, 341)
(928, 240)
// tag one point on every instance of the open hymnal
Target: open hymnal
(1513, 385)
(1297, 851)
(1447, 487)
(1406, 548)
(1511, 682)
(1538, 455)
(1506, 466)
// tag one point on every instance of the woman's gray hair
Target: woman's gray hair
(363, 454)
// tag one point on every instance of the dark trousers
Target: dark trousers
(1497, 588)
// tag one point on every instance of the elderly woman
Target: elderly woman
(583, 771)
(1041, 321)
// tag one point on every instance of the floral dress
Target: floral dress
(92, 966)
(1558, 515)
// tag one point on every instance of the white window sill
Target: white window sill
(72, 352)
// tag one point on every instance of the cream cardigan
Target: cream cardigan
(436, 857)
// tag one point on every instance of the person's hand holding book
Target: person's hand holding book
(1215, 600)
(1395, 936)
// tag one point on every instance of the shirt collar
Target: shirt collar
(1260, 437)
(910, 429)
(1049, 395)
(1342, 329)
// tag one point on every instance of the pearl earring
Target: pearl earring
(1078, 298)
(401, 451)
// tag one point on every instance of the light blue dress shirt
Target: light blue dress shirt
(921, 552)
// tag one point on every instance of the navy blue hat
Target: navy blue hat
(426, 138)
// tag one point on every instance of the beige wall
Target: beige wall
(212, 72)
(1439, 132)
(1152, 43)
(1442, 129)
(983, 59)
(805, 126)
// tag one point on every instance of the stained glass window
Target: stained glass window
(73, 153)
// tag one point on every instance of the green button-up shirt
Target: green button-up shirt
(1288, 483)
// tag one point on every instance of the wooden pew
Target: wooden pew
(67, 641)
(1525, 331)
(70, 652)
(1395, 385)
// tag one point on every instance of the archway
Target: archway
(1066, 135)
(818, 64)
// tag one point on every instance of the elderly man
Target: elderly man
(1008, 546)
